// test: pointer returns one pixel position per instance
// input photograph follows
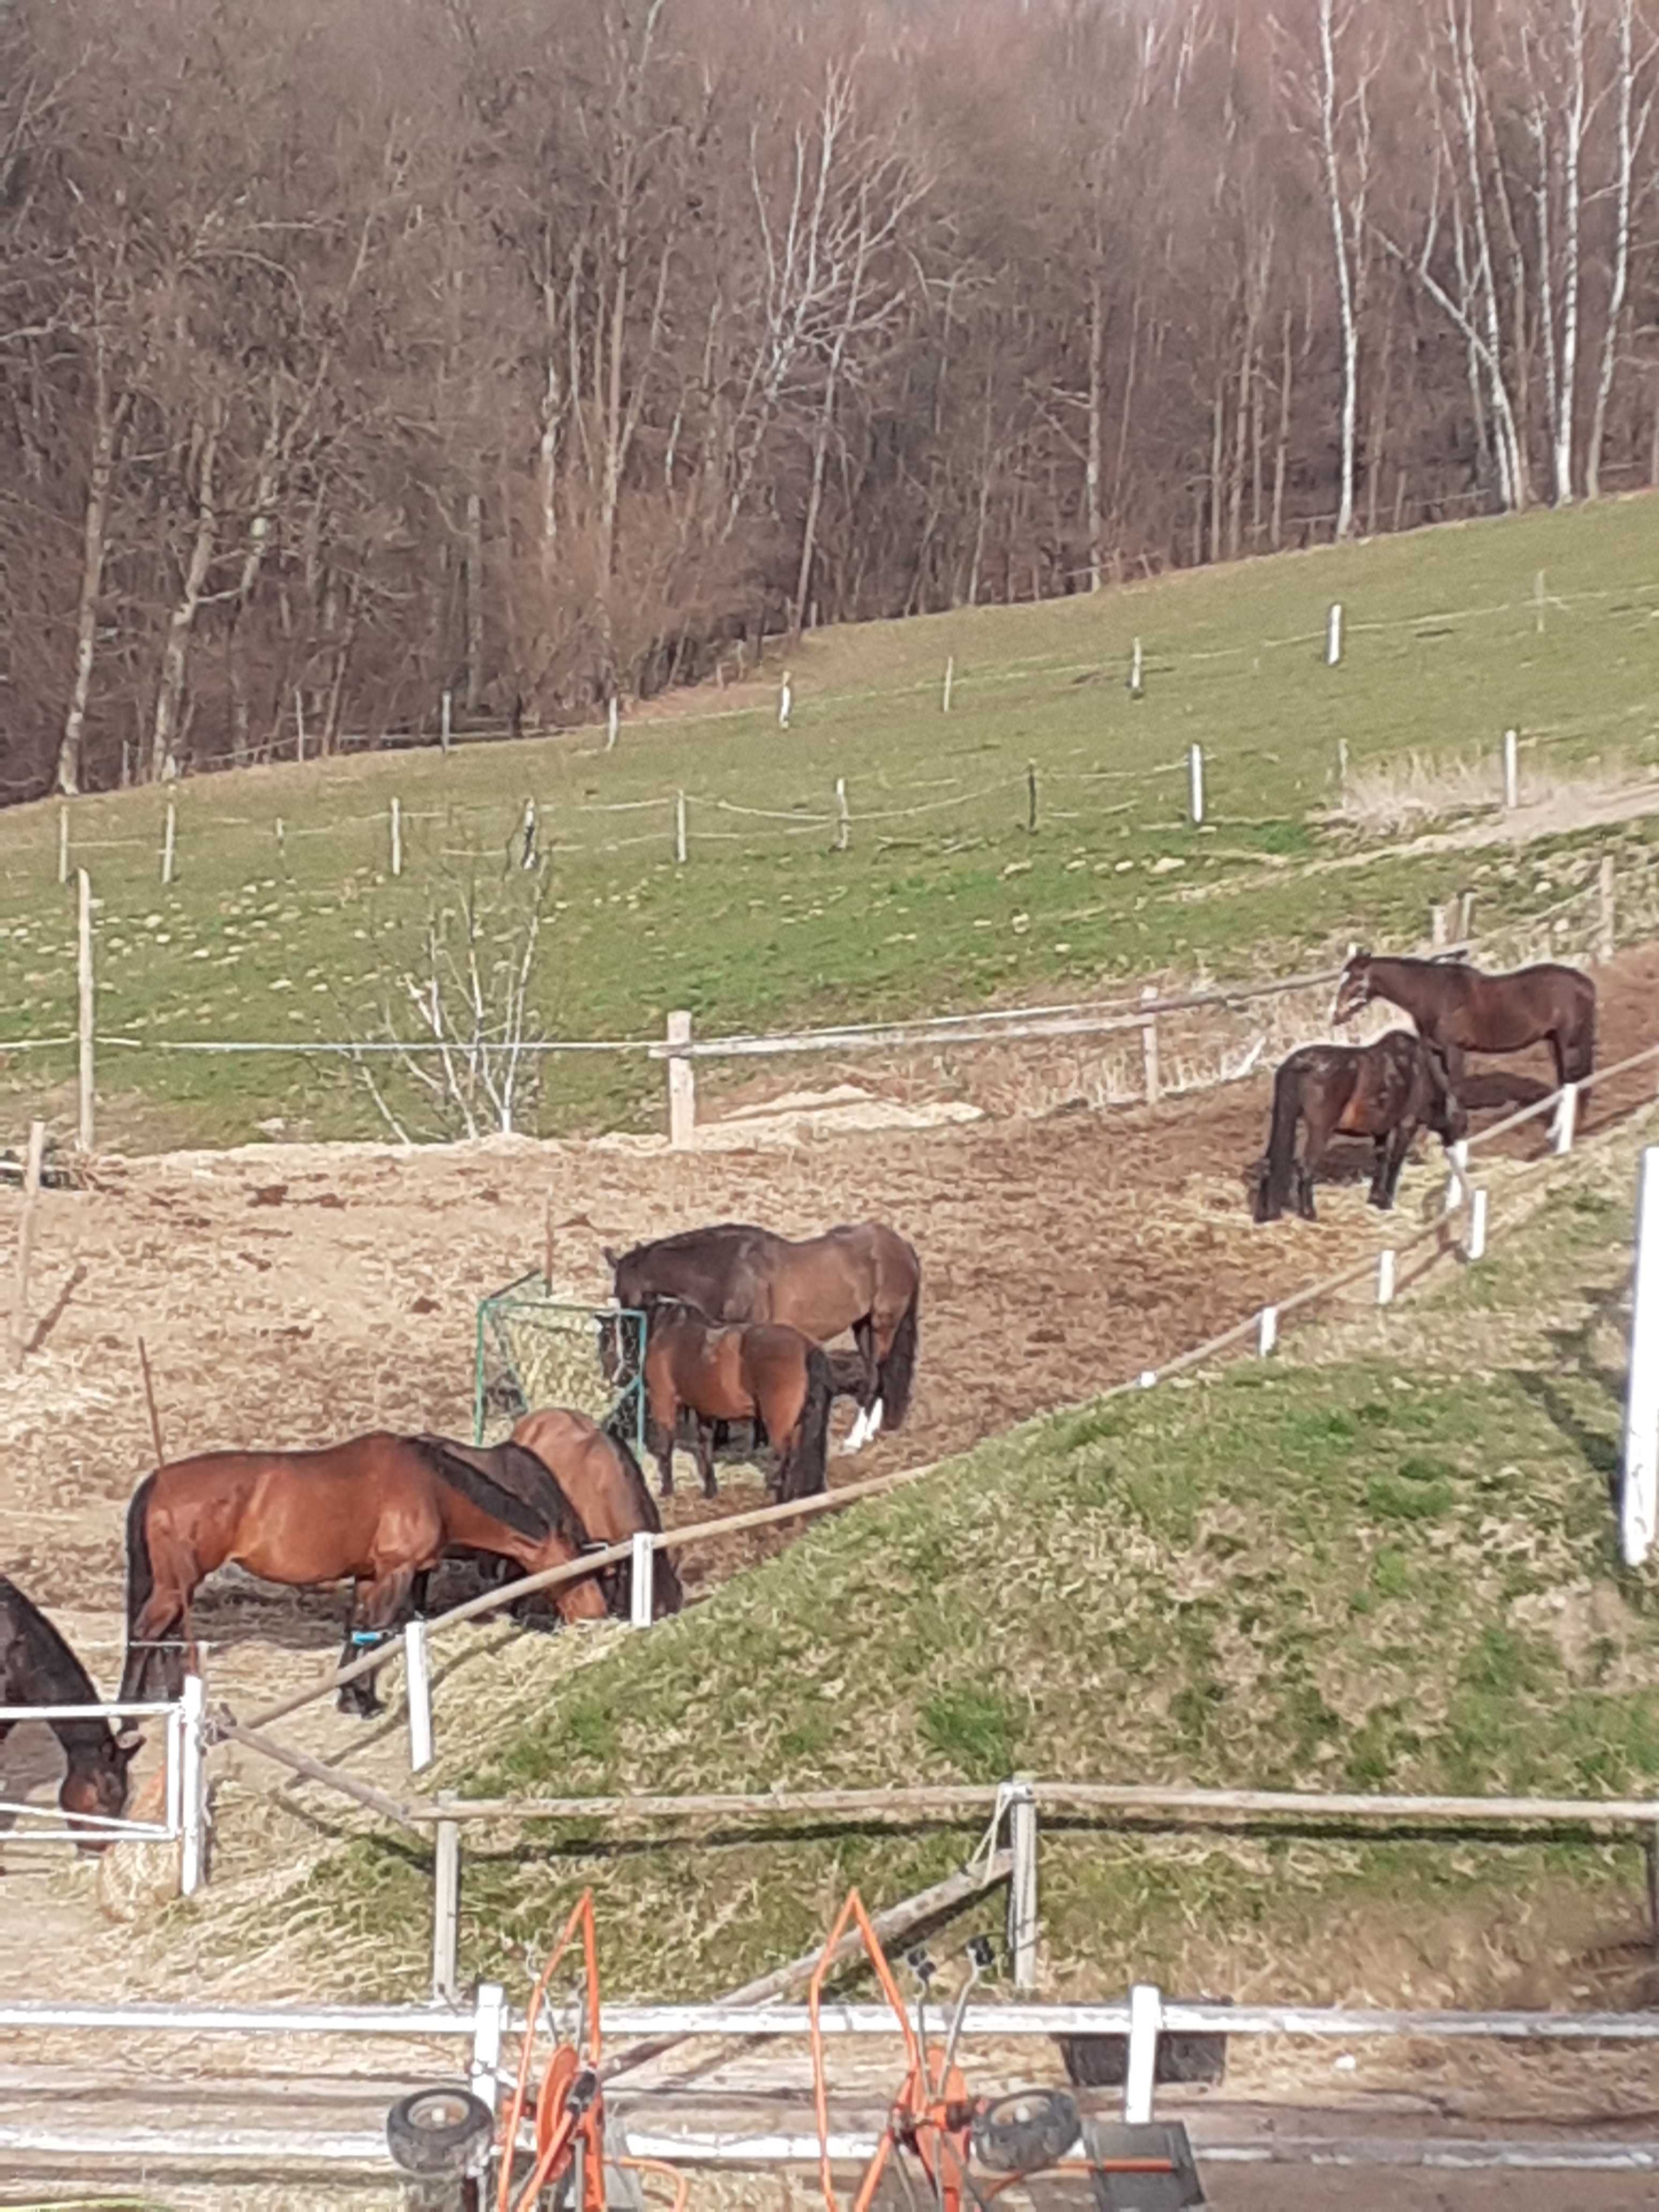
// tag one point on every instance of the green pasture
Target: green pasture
(945, 900)
(1392, 1573)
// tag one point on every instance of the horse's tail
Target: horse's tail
(806, 1468)
(1274, 1193)
(897, 1373)
(141, 1588)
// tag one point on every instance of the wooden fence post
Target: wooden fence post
(84, 991)
(1605, 937)
(679, 828)
(1437, 925)
(843, 824)
(417, 1678)
(1023, 1884)
(1334, 634)
(682, 1084)
(63, 844)
(1638, 1487)
(396, 838)
(20, 1295)
(1465, 917)
(445, 1909)
(1511, 768)
(1149, 1046)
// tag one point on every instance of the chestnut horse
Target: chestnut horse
(37, 1667)
(759, 1371)
(1386, 1090)
(1461, 1010)
(376, 1512)
(862, 1276)
(600, 1476)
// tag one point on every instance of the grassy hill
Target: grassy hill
(946, 898)
(1388, 1569)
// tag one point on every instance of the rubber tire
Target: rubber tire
(439, 2131)
(1025, 2131)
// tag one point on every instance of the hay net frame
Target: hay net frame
(536, 1347)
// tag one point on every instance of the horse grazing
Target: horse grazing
(862, 1276)
(761, 1371)
(1461, 1010)
(37, 1667)
(1386, 1090)
(600, 1476)
(377, 1511)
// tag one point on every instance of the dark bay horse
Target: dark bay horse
(376, 1512)
(600, 1476)
(37, 1667)
(1387, 1092)
(761, 1371)
(862, 1276)
(1461, 1010)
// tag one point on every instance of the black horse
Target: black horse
(1461, 1009)
(37, 1667)
(1387, 1092)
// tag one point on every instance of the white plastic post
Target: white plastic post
(949, 675)
(529, 854)
(844, 821)
(299, 726)
(1266, 1331)
(86, 997)
(175, 1771)
(679, 828)
(1342, 768)
(446, 708)
(1196, 781)
(1476, 1247)
(418, 1670)
(193, 1818)
(63, 844)
(396, 838)
(1141, 2073)
(1638, 1489)
(445, 1911)
(1511, 768)
(1385, 1276)
(1334, 634)
(1149, 1047)
(1457, 1175)
(1566, 1120)
(490, 2025)
(169, 834)
(612, 715)
(786, 696)
(641, 1579)
(682, 1084)
(1021, 1801)
(1135, 666)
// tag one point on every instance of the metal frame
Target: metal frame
(529, 1295)
(182, 1819)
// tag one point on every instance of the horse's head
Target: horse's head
(1447, 1116)
(1354, 988)
(95, 1787)
(617, 1346)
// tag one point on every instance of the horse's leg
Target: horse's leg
(1313, 1158)
(1400, 1145)
(705, 1450)
(377, 1609)
(1378, 1192)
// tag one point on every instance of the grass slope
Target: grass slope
(1395, 1571)
(946, 907)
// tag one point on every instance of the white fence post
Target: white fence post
(949, 675)
(1606, 938)
(417, 1675)
(528, 858)
(63, 844)
(1021, 1801)
(679, 828)
(1511, 768)
(445, 710)
(396, 838)
(192, 1808)
(844, 820)
(1639, 1488)
(446, 1910)
(1566, 1120)
(169, 837)
(299, 726)
(1196, 782)
(786, 700)
(612, 716)
(1135, 671)
(1140, 2073)
(1149, 1047)
(1476, 1248)
(641, 1579)
(84, 992)
(1334, 634)
(490, 2026)
(682, 1083)
(1385, 1276)
(1266, 1330)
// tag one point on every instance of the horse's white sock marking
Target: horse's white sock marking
(856, 1434)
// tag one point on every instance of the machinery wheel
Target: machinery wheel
(439, 2131)
(1026, 2131)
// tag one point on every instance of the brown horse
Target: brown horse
(600, 1476)
(1461, 1010)
(1386, 1090)
(376, 1512)
(862, 1276)
(759, 1371)
(37, 1667)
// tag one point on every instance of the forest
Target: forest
(368, 366)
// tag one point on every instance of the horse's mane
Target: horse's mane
(63, 1680)
(684, 1240)
(454, 1466)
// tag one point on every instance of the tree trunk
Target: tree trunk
(108, 421)
(1094, 519)
(175, 654)
(1620, 256)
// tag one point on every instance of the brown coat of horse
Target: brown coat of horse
(1462, 1010)
(862, 1276)
(759, 1371)
(601, 1478)
(376, 1512)
(37, 1667)
(1387, 1092)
